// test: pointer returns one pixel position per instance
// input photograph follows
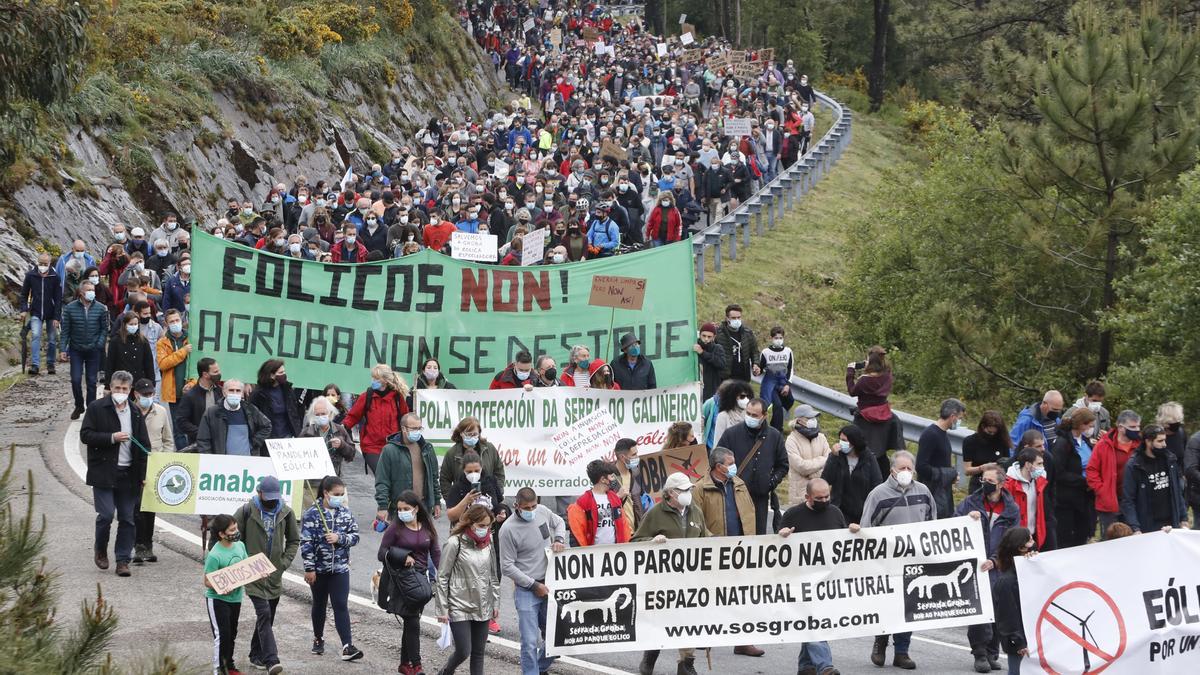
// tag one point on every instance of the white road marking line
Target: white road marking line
(75, 460)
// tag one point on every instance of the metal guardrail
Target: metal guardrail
(776, 198)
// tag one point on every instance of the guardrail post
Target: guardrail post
(777, 193)
(765, 201)
(729, 227)
(741, 221)
(698, 254)
(714, 240)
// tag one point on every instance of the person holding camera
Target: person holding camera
(476, 486)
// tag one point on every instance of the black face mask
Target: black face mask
(819, 506)
(143, 319)
(270, 504)
(989, 488)
(551, 374)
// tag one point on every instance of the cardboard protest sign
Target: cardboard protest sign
(206, 485)
(747, 70)
(737, 56)
(654, 467)
(687, 28)
(810, 586)
(533, 246)
(767, 54)
(686, 39)
(610, 148)
(332, 323)
(556, 36)
(593, 435)
(243, 572)
(590, 34)
(738, 126)
(300, 458)
(617, 292)
(692, 56)
(522, 425)
(473, 246)
(528, 25)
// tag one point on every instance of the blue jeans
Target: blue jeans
(770, 393)
(1014, 664)
(531, 621)
(81, 359)
(35, 329)
(121, 501)
(181, 440)
(902, 641)
(769, 172)
(815, 655)
(331, 589)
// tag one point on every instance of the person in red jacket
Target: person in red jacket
(582, 367)
(1106, 467)
(665, 225)
(595, 517)
(380, 408)
(438, 232)
(1026, 484)
(517, 375)
(349, 249)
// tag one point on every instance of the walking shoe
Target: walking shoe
(748, 650)
(902, 661)
(494, 627)
(351, 653)
(982, 665)
(417, 669)
(76, 413)
(831, 671)
(102, 560)
(257, 665)
(123, 569)
(879, 650)
(649, 658)
(318, 647)
(232, 670)
(687, 667)
(33, 370)
(275, 669)
(994, 662)
(50, 368)
(139, 557)
(807, 670)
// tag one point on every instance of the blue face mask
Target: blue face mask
(145, 401)
(731, 470)
(376, 385)
(1038, 473)
(753, 422)
(632, 464)
(470, 441)
(526, 516)
(337, 501)
(406, 516)
(635, 351)
(414, 436)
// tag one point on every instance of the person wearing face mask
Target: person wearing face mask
(807, 450)
(934, 456)
(665, 224)
(1170, 417)
(171, 354)
(349, 249)
(467, 591)
(634, 371)
(1152, 490)
(430, 377)
(408, 549)
(437, 234)
(235, 427)
(162, 259)
(899, 500)
(178, 285)
(996, 511)
(579, 371)
(762, 459)
(1043, 416)
(634, 499)
(676, 516)
(158, 427)
(277, 399)
(41, 306)
(380, 408)
(128, 350)
(594, 518)
(224, 610)
(1105, 467)
(775, 364)
(407, 463)
(990, 444)
(268, 526)
(524, 539)
(203, 393)
(338, 441)
(516, 375)
(1074, 500)
(1093, 399)
(1026, 483)
(327, 533)
(1006, 595)
(114, 433)
(740, 345)
(466, 438)
(725, 501)
(77, 253)
(474, 486)
(852, 472)
(545, 372)
(728, 409)
(816, 513)
(373, 235)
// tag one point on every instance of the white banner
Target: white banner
(533, 246)
(300, 458)
(722, 591)
(522, 425)
(1129, 605)
(687, 39)
(472, 246)
(738, 126)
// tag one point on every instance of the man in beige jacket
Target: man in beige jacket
(158, 426)
(807, 450)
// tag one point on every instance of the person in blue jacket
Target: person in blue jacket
(41, 302)
(603, 232)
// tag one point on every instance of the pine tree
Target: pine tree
(32, 638)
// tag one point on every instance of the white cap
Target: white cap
(137, 232)
(677, 481)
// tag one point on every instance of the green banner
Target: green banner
(333, 322)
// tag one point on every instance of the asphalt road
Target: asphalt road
(941, 651)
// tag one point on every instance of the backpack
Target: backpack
(371, 399)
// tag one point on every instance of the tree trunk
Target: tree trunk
(726, 21)
(738, 42)
(875, 76)
(1109, 299)
(654, 15)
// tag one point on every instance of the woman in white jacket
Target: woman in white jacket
(807, 450)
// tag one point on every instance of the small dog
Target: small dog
(375, 585)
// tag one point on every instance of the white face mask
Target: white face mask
(431, 374)
(735, 323)
(904, 478)
(120, 399)
(811, 424)
(777, 342)
(742, 402)
(42, 269)
(473, 477)
(186, 269)
(685, 499)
